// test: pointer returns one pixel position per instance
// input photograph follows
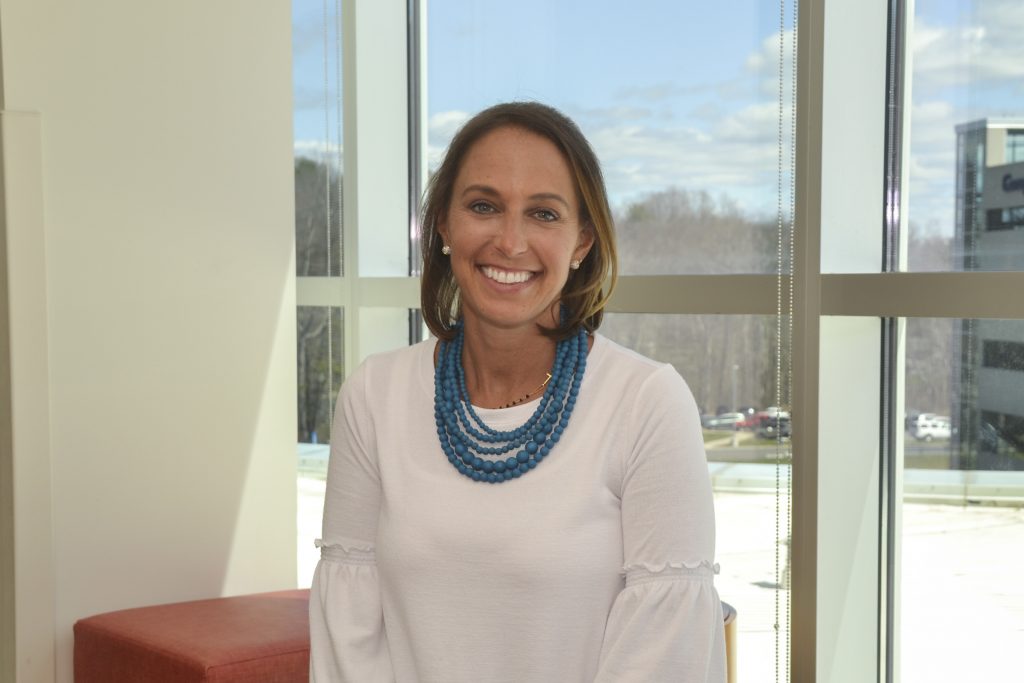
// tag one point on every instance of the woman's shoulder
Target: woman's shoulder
(633, 372)
(405, 364)
(612, 356)
(401, 355)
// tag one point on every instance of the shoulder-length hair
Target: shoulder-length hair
(583, 298)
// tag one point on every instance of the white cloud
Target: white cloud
(985, 48)
(970, 70)
(932, 165)
(320, 150)
(765, 64)
(640, 159)
(725, 151)
(441, 128)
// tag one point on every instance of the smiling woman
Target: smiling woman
(554, 494)
(543, 158)
(513, 231)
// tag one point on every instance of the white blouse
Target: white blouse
(596, 566)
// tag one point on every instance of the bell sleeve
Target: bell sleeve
(666, 624)
(348, 643)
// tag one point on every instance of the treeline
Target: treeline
(728, 360)
(319, 339)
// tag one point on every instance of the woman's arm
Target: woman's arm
(666, 624)
(348, 642)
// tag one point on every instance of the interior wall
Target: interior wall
(167, 212)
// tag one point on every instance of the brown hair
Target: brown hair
(583, 297)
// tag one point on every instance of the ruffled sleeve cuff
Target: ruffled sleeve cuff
(346, 623)
(665, 625)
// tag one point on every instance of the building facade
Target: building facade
(989, 420)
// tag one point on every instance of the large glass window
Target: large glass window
(694, 137)
(966, 136)
(962, 500)
(729, 363)
(320, 325)
(683, 104)
(680, 100)
(319, 369)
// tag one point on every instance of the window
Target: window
(902, 278)
(688, 135)
(963, 487)
(686, 129)
(1003, 355)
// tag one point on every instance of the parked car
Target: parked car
(723, 421)
(933, 427)
(773, 426)
(914, 419)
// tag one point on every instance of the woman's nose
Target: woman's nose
(511, 238)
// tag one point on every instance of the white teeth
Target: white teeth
(506, 277)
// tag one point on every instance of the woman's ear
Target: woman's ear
(584, 243)
(442, 228)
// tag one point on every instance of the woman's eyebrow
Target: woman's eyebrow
(482, 189)
(491, 192)
(551, 196)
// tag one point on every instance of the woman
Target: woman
(522, 501)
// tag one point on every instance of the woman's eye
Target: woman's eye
(546, 215)
(481, 207)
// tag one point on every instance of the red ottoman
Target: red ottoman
(261, 638)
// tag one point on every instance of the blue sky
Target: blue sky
(675, 94)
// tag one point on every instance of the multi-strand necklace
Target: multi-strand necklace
(489, 455)
(526, 397)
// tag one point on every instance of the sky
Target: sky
(680, 94)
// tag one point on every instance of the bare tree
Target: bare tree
(318, 328)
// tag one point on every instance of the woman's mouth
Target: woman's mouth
(506, 277)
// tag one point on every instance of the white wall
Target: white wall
(166, 346)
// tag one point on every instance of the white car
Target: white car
(933, 427)
(723, 421)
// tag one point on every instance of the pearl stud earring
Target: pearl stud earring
(574, 264)
(446, 250)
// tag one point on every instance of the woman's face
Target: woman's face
(513, 226)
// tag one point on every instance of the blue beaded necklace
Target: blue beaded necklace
(476, 450)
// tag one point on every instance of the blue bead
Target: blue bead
(464, 437)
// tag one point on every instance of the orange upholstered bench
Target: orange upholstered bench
(261, 638)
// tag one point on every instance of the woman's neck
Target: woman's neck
(505, 367)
